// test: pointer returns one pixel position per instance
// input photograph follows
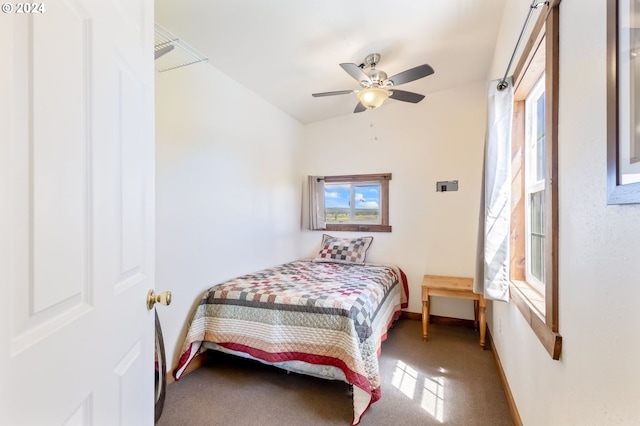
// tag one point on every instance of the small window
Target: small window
(352, 203)
(357, 202)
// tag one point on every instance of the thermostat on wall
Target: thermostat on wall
(447, 185)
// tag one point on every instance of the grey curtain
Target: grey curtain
(316, 203)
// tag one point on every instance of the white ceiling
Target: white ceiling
(285, 50)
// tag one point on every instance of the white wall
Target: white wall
(441, 138)
(228, 192)
(595, 382)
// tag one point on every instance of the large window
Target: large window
(357, 202)
(535, 185)
(534, 216)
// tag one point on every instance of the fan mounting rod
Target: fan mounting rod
(376, 77)
(372, 59)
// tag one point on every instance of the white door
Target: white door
(76, 212)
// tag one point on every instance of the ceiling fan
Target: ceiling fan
(376, 87)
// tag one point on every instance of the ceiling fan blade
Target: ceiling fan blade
(411, 74)
(356, 72)
(402, 95)
(360, 107)
(337, 92)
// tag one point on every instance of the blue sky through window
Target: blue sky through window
(366, 196)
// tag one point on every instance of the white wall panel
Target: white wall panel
(133, 13)
(51, 197)
(130, 371)
(130, 131)
(58, 171)
(82, 416)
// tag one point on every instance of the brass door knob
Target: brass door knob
(162, 298)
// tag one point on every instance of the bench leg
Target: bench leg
(476, 303)
(425, 317)
(483, 321)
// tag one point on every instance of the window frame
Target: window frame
(379, 178)
(540, 56)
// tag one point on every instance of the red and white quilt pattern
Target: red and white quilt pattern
(321, 313)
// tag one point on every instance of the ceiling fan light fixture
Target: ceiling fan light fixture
(372, 97)
(376, 87)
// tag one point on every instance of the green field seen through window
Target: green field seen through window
(338, 215)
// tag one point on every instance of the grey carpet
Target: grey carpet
(448, 380)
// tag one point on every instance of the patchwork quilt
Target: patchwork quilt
(321, 313)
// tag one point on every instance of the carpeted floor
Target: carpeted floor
(448, 380)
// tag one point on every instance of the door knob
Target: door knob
(153, 298)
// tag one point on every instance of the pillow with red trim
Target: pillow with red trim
(343, 250)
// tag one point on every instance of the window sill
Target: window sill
(358, 228)
(531, 305)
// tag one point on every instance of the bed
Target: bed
(325, 317)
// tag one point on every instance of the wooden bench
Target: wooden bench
(457, 287)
